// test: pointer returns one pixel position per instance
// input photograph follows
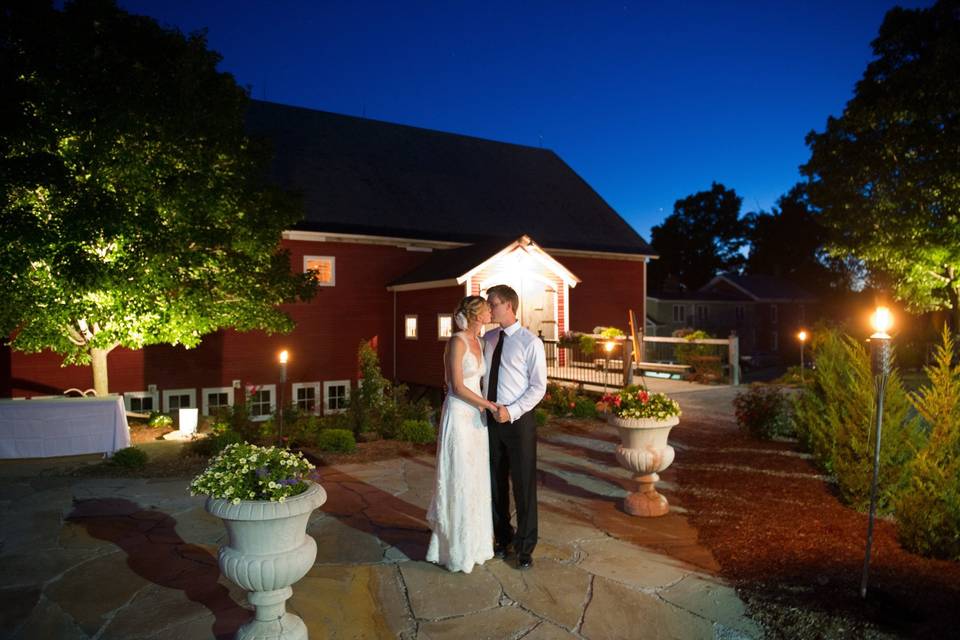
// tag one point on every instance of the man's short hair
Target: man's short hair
(506, 294)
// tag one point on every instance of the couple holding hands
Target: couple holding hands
(487, 438)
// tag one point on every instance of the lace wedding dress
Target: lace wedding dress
(460, 511)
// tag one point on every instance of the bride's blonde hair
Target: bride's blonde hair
(470, 308)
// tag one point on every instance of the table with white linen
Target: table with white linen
(62, 427)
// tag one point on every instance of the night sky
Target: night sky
(648, 101)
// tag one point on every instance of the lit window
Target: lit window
(336, 395)
(216, 399)
(174, 399)
(324, 269)
(679, 313)
(444, 326)
(306, 396)
(260, 398)
(410, 327)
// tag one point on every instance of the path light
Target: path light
(608, 348)
(881, 320)
(283, 357)
(802, 337)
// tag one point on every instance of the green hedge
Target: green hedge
(835, 420)
(336, 441)
(928, 509)
(129, 458)
(417, 431)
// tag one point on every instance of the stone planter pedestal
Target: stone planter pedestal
(644, 450)
(268, 550)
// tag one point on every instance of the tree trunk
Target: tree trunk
(99, 365)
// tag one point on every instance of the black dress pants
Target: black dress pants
(513, 459)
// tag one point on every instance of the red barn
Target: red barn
(400, 223)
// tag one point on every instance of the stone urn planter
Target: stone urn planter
(268, 550)
(644, 450)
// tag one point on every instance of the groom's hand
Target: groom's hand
(502, 414)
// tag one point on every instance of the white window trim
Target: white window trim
(179, 392)
(272, 388)
(326, 394)
(440, 336)
(127, 395)
(333, 269)
(205, 401)
(682, 315)
(406, 327)
(317, 398)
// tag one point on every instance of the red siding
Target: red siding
(420, 361)
(609, 288)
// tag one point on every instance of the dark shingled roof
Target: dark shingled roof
(445, 264)
(700, 296)
(376, 178)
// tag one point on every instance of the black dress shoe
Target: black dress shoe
(524, 561)
(501, 551)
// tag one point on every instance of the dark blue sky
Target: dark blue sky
(648, 101)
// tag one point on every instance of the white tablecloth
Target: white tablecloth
(62, 427)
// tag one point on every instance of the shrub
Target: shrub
(160, 420)
(541, 416)
(130, 458)
(336, 441)
(584, 407)
(835, 421)
(417, 431)
(928, 509)
(214, 443)
(763, 411)
(559, 400)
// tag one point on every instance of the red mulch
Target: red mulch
(782, 536)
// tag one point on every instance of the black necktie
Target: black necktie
(495, 369)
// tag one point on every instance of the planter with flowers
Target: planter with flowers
(265, 498)
(644, 421)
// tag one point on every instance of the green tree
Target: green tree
(790, 242)
(134, 210)
(701, 238)
(886, 174)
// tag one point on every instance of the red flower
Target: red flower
(617, 400)
(644, 397)
(573, 404)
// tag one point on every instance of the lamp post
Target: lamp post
(284, 356)
(607, 347)
(802, 337)
(880, 364)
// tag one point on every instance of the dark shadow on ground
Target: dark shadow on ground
(157, 553)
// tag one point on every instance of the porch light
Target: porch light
(882, 321)
(284, 356)
(608, 345)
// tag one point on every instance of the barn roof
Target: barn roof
(368, 177)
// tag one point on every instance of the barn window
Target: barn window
(324, 269)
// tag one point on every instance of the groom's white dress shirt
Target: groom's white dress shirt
(522, 382)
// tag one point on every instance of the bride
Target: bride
(460, 510)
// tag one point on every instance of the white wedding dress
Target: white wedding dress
(460, 511)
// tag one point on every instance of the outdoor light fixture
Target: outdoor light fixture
(802, 337)
(607, 348)
(284, 356)
(882, 320)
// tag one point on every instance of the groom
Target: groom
(516, 380)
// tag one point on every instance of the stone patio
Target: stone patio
(134, 558)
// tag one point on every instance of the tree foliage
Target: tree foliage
(701, 238)
(928, 510)
(133, 207)
(886, 174)
(790, 242)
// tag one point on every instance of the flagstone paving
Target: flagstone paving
(124, 558)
